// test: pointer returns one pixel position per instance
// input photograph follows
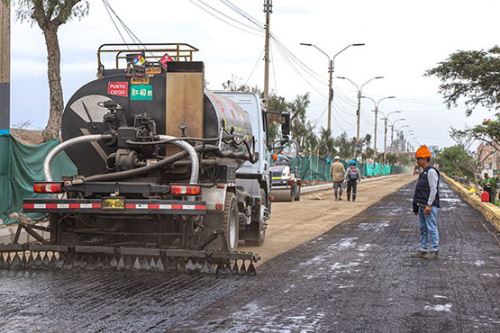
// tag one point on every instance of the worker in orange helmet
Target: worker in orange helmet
(426, 204)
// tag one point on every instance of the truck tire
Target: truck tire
(230, 224)
(257, 229)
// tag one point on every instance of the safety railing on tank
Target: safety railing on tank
(153, 52)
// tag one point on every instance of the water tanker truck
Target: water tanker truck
(170, 175)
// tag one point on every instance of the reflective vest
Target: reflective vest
(423, 190)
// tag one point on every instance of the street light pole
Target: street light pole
(392, 128)
(400, 132)
(386, 118)
(331, 62)
(376, 118)
(359, 89)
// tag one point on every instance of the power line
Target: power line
(211, 13)
(254, 67)
(241, 12)
(114, 23)
(125, 27)
(274, 69)
(221, 19)
(229, 17)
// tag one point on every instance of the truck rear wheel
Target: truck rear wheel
(258, 229)
(231, 222)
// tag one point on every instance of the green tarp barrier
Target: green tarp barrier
(317, 168)
(20, 166)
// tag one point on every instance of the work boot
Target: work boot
(419, 254)
(431, 255)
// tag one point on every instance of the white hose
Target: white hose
(195, 164)
(63, 145)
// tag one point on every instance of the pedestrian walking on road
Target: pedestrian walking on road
(426, 204)
(337, 171)
(353, 177)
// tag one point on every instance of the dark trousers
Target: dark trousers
(352, 185)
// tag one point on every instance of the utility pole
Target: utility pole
(375, 131)
(268, 9)
(376, 103)
(4, 67)
(331, 68)
(359, 88)
(358, 116)
(330, 95)
(385, 136)
(392, 134)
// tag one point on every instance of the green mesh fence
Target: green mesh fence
(317, 168)
(20, 166)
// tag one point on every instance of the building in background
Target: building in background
(489, 159)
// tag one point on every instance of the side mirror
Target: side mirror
(285, 124)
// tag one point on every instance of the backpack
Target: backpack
(352, 174)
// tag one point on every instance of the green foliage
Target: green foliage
(399, 158)
(473, 75)
(455, 161)
(326, 143)
(50, 12)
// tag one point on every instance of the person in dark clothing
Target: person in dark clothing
(426, 204)
(352, 177)
(489, 185)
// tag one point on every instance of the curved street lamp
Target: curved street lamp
(376, 103)
(385, 119)
(359, 88)
(331, 64)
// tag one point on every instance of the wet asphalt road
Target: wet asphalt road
(358, 277)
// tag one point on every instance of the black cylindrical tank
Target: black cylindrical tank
(83, 115)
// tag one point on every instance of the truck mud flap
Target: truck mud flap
(70, 257)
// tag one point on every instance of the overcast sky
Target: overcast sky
(403, 39)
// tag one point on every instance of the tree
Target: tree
(346, 146)
(49, 16)
(455, 161)
(326, 143)
(473, 75)
(488, 132)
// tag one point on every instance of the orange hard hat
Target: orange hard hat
(423, 152)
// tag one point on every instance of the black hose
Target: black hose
(164, 162)
(140, 143)
(138, 171)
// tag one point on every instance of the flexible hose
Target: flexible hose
(63, 145)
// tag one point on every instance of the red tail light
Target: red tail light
(185, 189)
(47, 187)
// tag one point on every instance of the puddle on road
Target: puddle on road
(479, 263)
(252, 314)
(439, 307)
(364, 247)
(376, 226)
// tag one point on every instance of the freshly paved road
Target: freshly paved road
(357, 277)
